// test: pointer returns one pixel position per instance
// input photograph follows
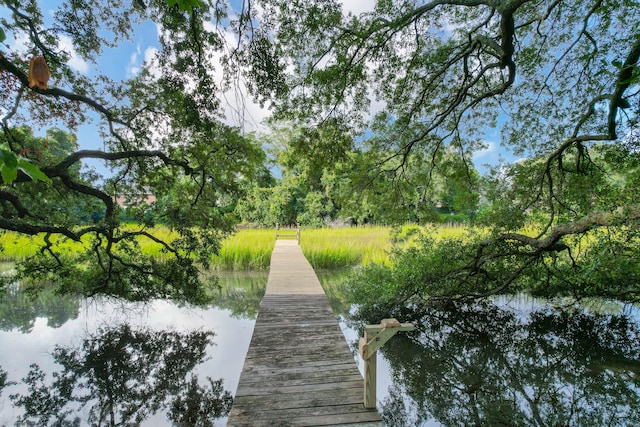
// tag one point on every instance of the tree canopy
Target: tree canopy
(161, 131)
(399, 96)
(558, 79)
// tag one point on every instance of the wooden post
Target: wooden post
(370, 369)
(298, 233)
(375, 336)
(276, 231)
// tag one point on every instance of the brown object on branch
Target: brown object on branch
(38, 72)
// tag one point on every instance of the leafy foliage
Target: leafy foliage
(422, 81)
(383, 112)
(162, 135)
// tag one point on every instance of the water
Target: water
(517, 361)
(128, 363)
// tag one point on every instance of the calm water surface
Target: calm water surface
(515, 362)
(104, 361)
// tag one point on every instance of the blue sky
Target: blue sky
(126, 60)
(118, 63)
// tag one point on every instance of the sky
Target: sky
(126, 61)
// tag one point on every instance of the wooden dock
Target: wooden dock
(299, 370)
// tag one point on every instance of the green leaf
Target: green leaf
(3, 36)
(9, 174)
(9, 158)
(33, 171)
(186, 5)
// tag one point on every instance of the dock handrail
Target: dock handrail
(286, 234)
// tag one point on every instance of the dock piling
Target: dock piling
(375, 336)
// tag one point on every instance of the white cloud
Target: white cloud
(488, 152)
(358, 6)
(138, 60)
(239, 108)
(150, 61)
(65, 43)
(486, 157)
(133, 67)
(20, 43)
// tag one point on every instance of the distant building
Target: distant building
(124, 201)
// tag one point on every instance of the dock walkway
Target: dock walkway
(299, 370)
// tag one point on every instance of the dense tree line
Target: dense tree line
(316, 190)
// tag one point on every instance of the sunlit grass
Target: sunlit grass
(251, 249)
(247, 249)
(17, 247)
(343, 247)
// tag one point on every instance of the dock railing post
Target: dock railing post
(375, 336)
(287, 232)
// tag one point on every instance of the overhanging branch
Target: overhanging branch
(588, 222)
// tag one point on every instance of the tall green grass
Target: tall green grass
(17, 247)
(251, 249)
(344, 247)
(245, 250)
(324, 247)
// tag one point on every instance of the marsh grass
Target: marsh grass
(327, 248)
(17, 247)
(246, 250)
(323, 247)
(345, 247)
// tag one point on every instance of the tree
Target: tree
(393, 191)
(19, 310)
(561, 78)
(162, 134)
(302, 157)
(122, 376)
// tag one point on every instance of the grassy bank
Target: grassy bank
(324, 247)
(344, 247)
(246, 250)
(251, 249)
(16, 247)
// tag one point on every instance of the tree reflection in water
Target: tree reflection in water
(19, 309)
(483, 365)
(122, 376)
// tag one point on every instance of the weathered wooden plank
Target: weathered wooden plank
(302, 371)
(299, 370)
(294, 335)
(301, 379)
(318, 412)
(362, 418)
(327, 369)
(251, 390)
(313, 398)
(258, 368)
